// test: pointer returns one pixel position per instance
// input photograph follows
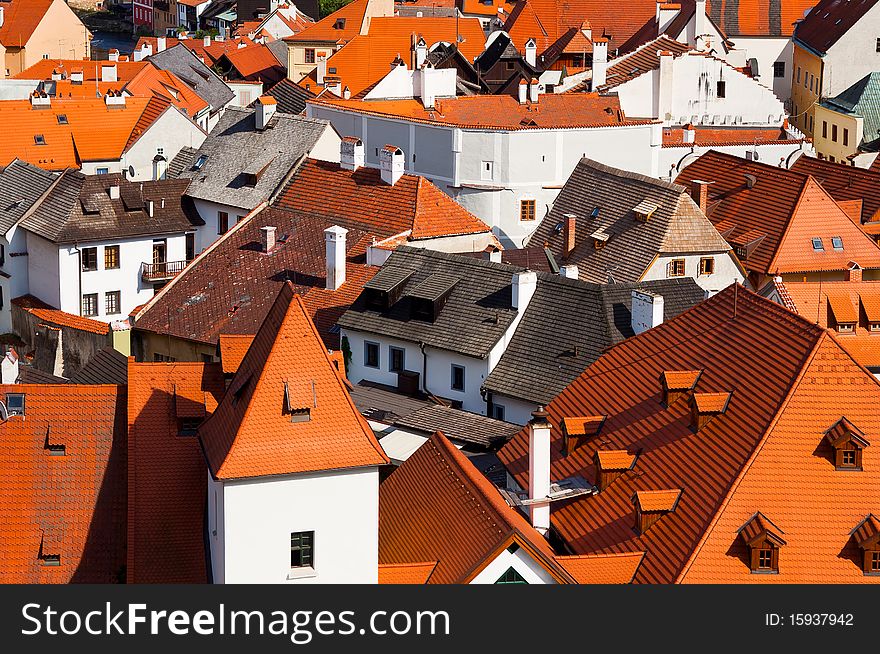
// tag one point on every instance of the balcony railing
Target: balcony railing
(159, 272)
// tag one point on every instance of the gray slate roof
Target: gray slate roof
(677, 225)
(291, 97)
(107, 366)
(477, 312)
(201, 79)
(21, 185)
(235, 146)
(568, 325)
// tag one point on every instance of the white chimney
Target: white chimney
(665, 88)
(113, 54)
(265, 109)
(391, 162)
(351, 153)
(161, 44)
(523, 288)
(523, 91)
(534, 91)
(539, 470)
(335, 247)
(666, 13)
(688, 134)
(206, 42)
(600, 61)
(39, 100)
(700, 26)
(570, 271)
(421, 53)
(57, 74)
(646, 311)
(430, 82)
(108, 73)
(114, 192)
(114, 99)
(492, 253)
(9, 367)
(532, 53)
(150, 207)
(77, 76)
(267, 238)
(321, 70)
(346, 93)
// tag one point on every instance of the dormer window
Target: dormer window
(847, 442)
(384, 290)
(837, 242)
(763, 540)
(297, 405)
(867, 537)
(706, 406)
(651, 505)
(874, 327)
(675, 384)
(339, 24)
(611, 464)
(578, 431)
(846, 327)
(429, 297)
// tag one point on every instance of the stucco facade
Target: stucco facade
(59, 35)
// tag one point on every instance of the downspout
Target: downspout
(424, 368)
(79, 275)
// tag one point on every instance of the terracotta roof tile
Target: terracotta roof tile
(21, 18)
(828, 21)
(680, 379)
(712, 402)
(755, 17)
(165, 84)
(252, 434)
(255, 62)
(845, 183)
(842, 307)
(233, 347)
(166, 472)
(73, 504)
(64, 319)
(91, 70)
(615, 459)
(406, 573)
(708, 137)
(657, 500)
(602, 568)
(331, 29)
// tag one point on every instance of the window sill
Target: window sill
(302, 573)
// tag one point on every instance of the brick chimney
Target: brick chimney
(569, 233)
(351, 153)
(853, 272)
(267, 238)
(700, 194)
(539, 470)
(334, 238)
(391, 162)
(646, 311)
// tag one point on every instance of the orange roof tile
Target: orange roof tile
(152, 81)
(342, 25)
(406, 573)
(680, 380)
(251, 434)
(91, 70)
(602, 568)
(233, 347)
(658, 500)
(870, 305)
(74, 504)
(867, 531)
(759, 526)
(582, 426)
(708, 137)
(64, 319)
(166, 472)
(21, 18)
(437, 506)
(483, 8)
(615, 459)
(842, 307)
(845, 183)
(712, 402)
(209, 54)
(256, 63)
(501, 112)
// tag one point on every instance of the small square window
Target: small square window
(302, 549)
(778, 69)
(875, 562)
(837, 242)
(15, 404)
(676, 268)
(111, 302)
(457, 378)
(848, 458)
(189, 426)
(90, 304)
(39, 139)
(396, 359)
(527, 210)
(707, 265)
(371, 355)
(498, 412)
(818, 246)
(310, 55)
(765, 559)
(874, 327)
(62, 119)
(89, 259)
(111, 257)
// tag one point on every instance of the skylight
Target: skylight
(39, 139)
(837, 242)
(817, 245)
(62, 119)
(200, 162)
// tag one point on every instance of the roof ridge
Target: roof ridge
(619, 172)
(459, 258)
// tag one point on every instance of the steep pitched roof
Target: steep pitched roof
(64, 319)
(71, 506)
(201, 79)
(21, 186)
(291, 96)
(287, 371)
(438, 507)
(342, 25)
(568, 325)
(676, 225)
(107, 366)
(828, 21)
(772, 222)
(166, 471)
(21, 18)
(754, 18)
(153, 81)
(406, 573)
(623, 384)
(845, 183)
(255, 62)
(640, 61)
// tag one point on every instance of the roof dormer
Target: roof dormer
(384, 290)
(644, 210)
(763, 540)
(610, 464)
(429, 297)
(651, 505)
(675, 384)
(847, 441)
(842, 315)
(706, 406)
(578, 430)
(867, 537)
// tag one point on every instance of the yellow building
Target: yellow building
(806, 85)
(31, 30)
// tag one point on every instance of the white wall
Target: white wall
(515, 410)
(853, 56)
(258, 516)
(678, 158)
(768, 50)
(245, 92)
(726, 270)
(520, 561)
(209, 212)
(170, 132)
(43, 270)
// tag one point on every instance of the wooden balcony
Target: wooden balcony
(161, 272)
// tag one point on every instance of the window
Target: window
(526, 210)
(396, 358)
(111, 302)
(457, 378)
(163, 358)
(874, 564)
(222, 222)
(675, 268)
(486, 170)
(824, 129)
(806, 79)
(89, 259)
(872, 327)
(102, 171)
(848, 459)
(720, 89)
(189, 426)
(511, 576)
(310, 55)
(834, 133)
(498, 412)
(798, 78)
(707, 265)
(817, 244)
(878, 45)
(371, 354)
(2, 254)
(302, 549)
(845, 136)
(62, 119)
(837, 242)
(15, 404)
(90, 304)
(111, 257)
(811, 123)
(765, 558)
(778, 69)
(831, 159)
(845, 327)
(39, 139)
(190, 239)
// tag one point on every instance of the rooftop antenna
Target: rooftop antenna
(735, 294)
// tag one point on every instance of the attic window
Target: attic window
(644, 210)
(339, 24)
(847, 442)
(384, 290)
(188, 426)
(579, 430)
(295, 408)
(610, 464)
(54, 449)
(706, 406)
(817, 245)
(675, 384)
(15, 404)
(763, 540)
(867, 538)
(837, 242)
(62, 119)
(429, 297)
(39, 139)
(651, 505)
(200, 162)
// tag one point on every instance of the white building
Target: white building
(293, 484)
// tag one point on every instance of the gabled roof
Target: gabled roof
(291, 96)
(782, 212)
(406, 573)
(70, 505)
(106, 366)
(235, 144)
(166, 471)
(342, 25)
(677, 225)
(754, 18)
(21, 18)
(210, 54)
(287, 371)
(828, 21)
(255, 62)
(568, 325)
(21, 186)
(783, 401)
(438, 507)
(153, 81)
(861, 99)
(640, 61)
(201, 79)
(91, 71)
(59, 318)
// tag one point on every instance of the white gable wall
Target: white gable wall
(170, 132)
(520, 561)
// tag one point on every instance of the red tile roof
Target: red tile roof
(233, 347)
(329, 29)
(641, 60)
(828, 21)
(624, 384)
(783, 211)
(499, 112)
(755, 17)
(64, 319)
(406, 573)
(209, 54)
(91, 70)
(845, 183)
(252, 434)
(73, 505)
(602, 568)
(167, 479)
(21, 18)
(707, 137)
(256, 63)
(165, 84)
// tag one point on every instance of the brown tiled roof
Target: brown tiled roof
(706, 137)
(167, 487)
(287, 370)
(828, 21)
(70, 506)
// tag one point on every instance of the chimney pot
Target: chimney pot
(150, 207)
(391, 163)
(351, 153)
(492, 253)
(161, 43)
(108, 73)
(646, 311)
(600, 62)
(569, 233)
(689, 134)
(267, 235)
(700, 194)
(539, 469)
(531, 53)
(534, 90)
(335, 253)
